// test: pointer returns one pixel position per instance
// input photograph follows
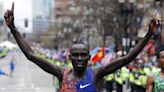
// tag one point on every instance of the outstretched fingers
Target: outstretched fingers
(12, 7)
(9, 17)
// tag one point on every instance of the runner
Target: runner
(79, 78)
(12, 66)
(155, 83)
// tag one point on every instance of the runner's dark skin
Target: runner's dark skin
(79, 55)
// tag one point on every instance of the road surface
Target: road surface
(27, 76)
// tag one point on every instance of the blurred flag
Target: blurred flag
(98, 56)
(150, 47)
(93, 51)
(108, 58)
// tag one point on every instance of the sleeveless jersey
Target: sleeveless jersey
(159, 83)
(71, 85)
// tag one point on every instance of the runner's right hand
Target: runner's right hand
(9, 17)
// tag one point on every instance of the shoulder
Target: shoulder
(67, 70)
(95, 69)
(150, 83)
(92, 70)
(151, 79)
(97, 72)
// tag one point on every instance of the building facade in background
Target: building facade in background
(64, 8)
(41, 14)
(1, 13)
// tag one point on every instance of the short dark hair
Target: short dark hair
(158, 52)
(78, 41)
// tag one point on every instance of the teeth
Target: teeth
(79, 65)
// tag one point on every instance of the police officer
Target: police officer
(109, 82)
(138, 77)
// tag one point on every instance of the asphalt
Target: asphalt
(27, 76)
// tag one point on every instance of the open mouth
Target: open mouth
(79, 65)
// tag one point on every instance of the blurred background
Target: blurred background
(50, 27)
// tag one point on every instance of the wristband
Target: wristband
(13, 30)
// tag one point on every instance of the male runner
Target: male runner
(155, 83)
(80, 78)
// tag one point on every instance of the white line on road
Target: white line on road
(2, 89)
(38, 90)
(29, 75)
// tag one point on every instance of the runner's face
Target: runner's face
(161, 59)
(79, 56)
